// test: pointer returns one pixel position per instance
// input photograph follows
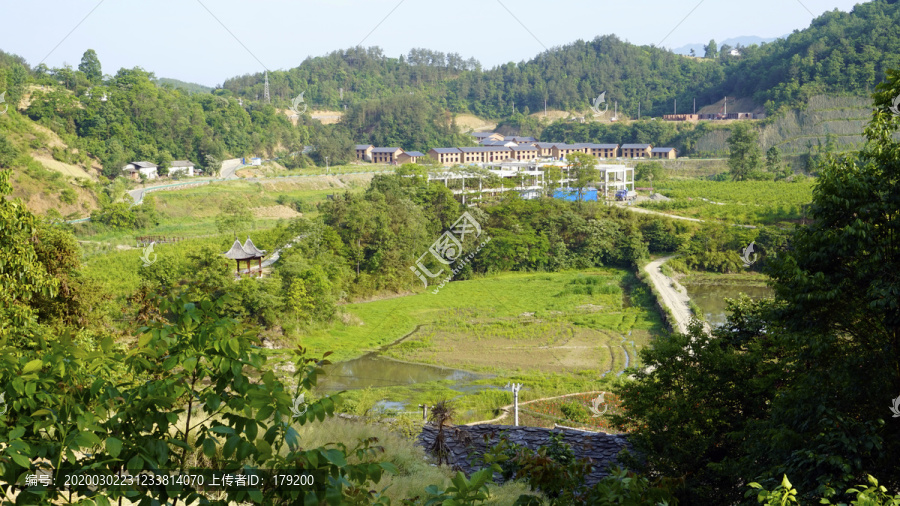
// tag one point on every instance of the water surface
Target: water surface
(711, 298)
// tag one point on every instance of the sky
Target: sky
(209, 41)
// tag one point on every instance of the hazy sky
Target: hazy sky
(184, 39)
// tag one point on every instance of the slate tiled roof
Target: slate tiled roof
(600, 447)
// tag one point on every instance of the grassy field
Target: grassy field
(742, 202)
(192, 212)
(512, 308)
(554, 333)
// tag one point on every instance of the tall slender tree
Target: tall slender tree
(90, 66)
(744, 153)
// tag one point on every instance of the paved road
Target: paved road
(229, 167)
(673, 295)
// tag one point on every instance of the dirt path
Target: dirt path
(673, 295)
(648, 211)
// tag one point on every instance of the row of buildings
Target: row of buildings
(526, 151)
(716, 116)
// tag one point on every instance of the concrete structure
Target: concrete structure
(385, 155)
(561, 150)
(544, 148)
(181, 167)
(446, 156)
(681, 117)
(528, 178)
(134, 170)
(364, 152)
(600, 150)
(668, 153)
(524, 153)
(485, 154)
(409, 157)
(636, 150)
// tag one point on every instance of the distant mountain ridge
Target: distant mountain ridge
(745, 40)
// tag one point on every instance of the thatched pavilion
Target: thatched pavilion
(248, 252)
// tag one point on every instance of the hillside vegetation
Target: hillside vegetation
(840, 52)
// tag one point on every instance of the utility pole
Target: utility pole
(695, 106)
(327, 170)
(639, 109)
(515, 387)
(266, 94)
(675, 107)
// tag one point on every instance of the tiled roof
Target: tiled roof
(386, 150)
(182, 163)
(466, 442)
(363, 146)
(484, 149)
(414, 153)
(445, 150)
(635, 146)
(661, 150)
(599, 146)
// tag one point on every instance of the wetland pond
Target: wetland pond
(711, 298)
(372, 371)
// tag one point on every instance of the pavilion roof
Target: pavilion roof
(252, 250)
(237, 252)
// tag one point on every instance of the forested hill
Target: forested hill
(839, 52)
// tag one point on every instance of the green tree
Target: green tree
(235, 217)
(683, 421)
(743, 151)
(23, 277)
(90, 66)
(582, 168)
(840, 317)
(645, 171)
(711, 50)
(773, 159)
(8, 152)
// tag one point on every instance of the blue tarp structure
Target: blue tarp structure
(572, 194)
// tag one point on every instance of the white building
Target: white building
(135, 169)
(181, 167)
